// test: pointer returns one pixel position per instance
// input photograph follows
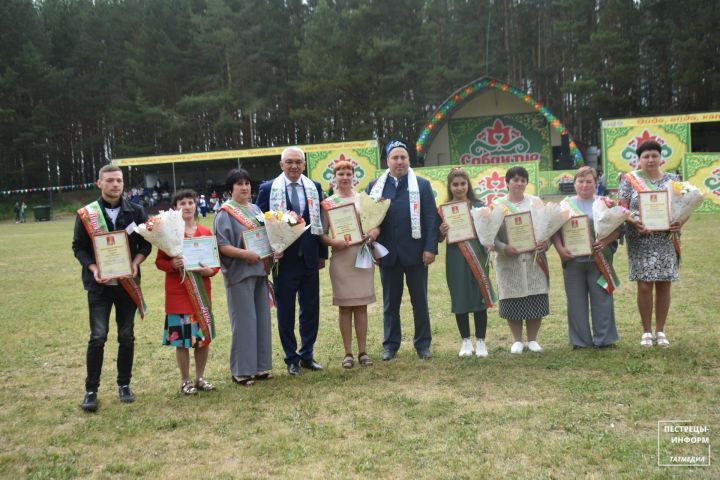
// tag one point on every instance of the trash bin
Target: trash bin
(42, 213)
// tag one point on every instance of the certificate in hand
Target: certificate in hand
(519, 231)
(257, 241)
(576, 236)
(200, 250)
(112, 254)
(344, 224)
(655, 210)
(457, 216)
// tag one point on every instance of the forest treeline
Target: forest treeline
(82, 81)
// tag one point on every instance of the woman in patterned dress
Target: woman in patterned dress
(182, 329)
(522, 284)
(652, 259)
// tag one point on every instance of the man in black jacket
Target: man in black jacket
(110, 213)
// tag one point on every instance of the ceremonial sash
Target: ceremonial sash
(248, 220)
(540, 258)
(608, 279)
(195, 287)
(335, 201)
(93, 220)
(639, 183)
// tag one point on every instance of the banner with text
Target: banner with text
(501, 139)
(703, 171)
(620, 143)
(488, 181)
(366, 161)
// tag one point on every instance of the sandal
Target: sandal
(244, 381)
(662, 340)
(365, 360)
(264, 376)
(348, 361)
(646, 340)
(203, 385)
(187, 388)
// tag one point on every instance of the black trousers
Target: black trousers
(100, 306)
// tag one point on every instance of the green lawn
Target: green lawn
(558, 414)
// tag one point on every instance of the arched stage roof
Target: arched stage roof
(464, 94)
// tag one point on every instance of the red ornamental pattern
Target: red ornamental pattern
(328, 173)
(491, 187)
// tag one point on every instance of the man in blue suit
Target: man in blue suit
(300, 263)
(410, 235)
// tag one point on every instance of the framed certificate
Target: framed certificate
(112, 254)
(344, 223)
(256, 240)
(457, 216)
(519, 231)
(576, 236)
(200, 250)
(655, 210)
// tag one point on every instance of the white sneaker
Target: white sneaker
(481, 349)
(517, 347)
(534, 346)
(466, 349)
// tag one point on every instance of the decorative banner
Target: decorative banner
(488, 181)
(500, 139)
(365, 160)
(550, 180)
(61, 188)
(703, 171)
(620, 143)
(463, 94)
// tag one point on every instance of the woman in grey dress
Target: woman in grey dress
(245, 283)
(581, 276)
(652, 259)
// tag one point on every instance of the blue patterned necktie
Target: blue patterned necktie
(295, 199)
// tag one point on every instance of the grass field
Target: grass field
(558, 414)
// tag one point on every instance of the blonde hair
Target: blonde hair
(584, 172)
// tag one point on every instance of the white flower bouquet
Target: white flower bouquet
(165, 231)
(684, 199)
(283, 228)
(607, 216)
(372, 211)
(487, 221)
(547, 218)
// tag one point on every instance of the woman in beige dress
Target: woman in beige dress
(353, 288)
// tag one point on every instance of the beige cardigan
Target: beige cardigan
(518, 276)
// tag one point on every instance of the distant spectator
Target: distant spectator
(23, 207)
(16, 209)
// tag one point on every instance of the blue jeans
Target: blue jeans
(100, 305)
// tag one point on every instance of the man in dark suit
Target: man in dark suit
(409, 234)
(300, 263)
(110, 213)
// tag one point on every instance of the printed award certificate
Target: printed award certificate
(655, 210)
(519, 231)
(112, 254)
(200, 250)
(256, 240)
(576, 236)
(344, 223)
(457, 216)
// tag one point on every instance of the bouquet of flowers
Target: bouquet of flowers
(547, 218)
(607, 216)
(372, 211)
(283, 228)
(165, 231)
(487, 221)
(684, 199)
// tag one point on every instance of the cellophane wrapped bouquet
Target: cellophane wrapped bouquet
(607, 216)
(547, 219)
(487, 222)
(372, 211)
(684, 199)
(165, 231)
(283, 228)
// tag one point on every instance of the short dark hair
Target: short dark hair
(456, 172)
(107, 169)
(183, 194)
(234, 176)
(648, 145)
(518, 171)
